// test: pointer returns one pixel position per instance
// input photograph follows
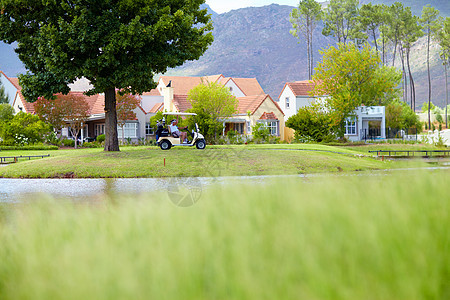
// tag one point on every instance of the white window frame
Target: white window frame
(350, 126)
(99, 129)
(149, 130)
(287, 102)
(272, 125)
(130, 130)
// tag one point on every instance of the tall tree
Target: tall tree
(304, 20)
(126, 103)
(113, 43)
(429, 21)
(341, 20)
(350, 77)
(443, 37)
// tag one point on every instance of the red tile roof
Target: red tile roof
(252, 103)
(183, 84)
(96, 102)
(181, 102)
(268, 116)
(157, 107)
(249, 86)
(300, 88)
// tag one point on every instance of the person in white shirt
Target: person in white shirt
(176, 132)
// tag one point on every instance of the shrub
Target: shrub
(68, 142)
(100, 138)
(261, 133)
(311, 126)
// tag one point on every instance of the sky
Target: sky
(221, 6)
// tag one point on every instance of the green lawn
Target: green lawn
(339, 237)
(213, 161)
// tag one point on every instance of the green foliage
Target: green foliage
(399, 115)
(3, 96)
(24, 129)
(212, 102)
(260, 133)
(100, 138)
(310, 125)
(425, 106)
(6, 112)
(338, 238)
(68, 142)
(353, 76)
(341, 20)
(439, 119)
(114, 44)
(29, 147)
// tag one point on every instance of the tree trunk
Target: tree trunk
(404, 84)
(111, 140)
(446, 95)
(411, 82)
(429, 80)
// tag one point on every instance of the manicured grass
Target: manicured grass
(346, 237)
(213, 161)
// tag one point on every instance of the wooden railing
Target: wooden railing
(412, 153)
(14, 159)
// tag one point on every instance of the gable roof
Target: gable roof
(249, 86)
(252, 103)
(157, 107)
(268, 116)
(183, 84)
(300, 88)
(96, 102)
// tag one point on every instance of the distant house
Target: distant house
(368, 122)
(255, 106)
(14, 93)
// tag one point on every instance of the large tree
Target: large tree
(3, 96)
(350, 77)
(304, 20)
(429, 21)
(113, 43)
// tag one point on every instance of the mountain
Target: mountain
(255, 42)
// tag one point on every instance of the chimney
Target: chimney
(168, 98)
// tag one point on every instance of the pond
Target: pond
(182, 191)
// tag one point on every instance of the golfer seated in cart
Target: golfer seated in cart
(175, 131)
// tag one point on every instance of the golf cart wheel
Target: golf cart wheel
(201, 144)
(165, 145)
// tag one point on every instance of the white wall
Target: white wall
(10, 89)
(292, 110)
(235, 90)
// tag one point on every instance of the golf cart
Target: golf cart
(167, 140)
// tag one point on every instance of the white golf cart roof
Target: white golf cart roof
(179, 114)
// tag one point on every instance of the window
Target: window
(130, 130)
(231, 89)
(249, 128)
(99, 129)
(287, 102)
(238, 127)
(149, 129)
(350, 126)
(272, 125)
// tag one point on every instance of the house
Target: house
(255, 106)
(368, 122)
(14, 92)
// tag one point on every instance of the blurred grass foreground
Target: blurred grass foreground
(380, 237)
